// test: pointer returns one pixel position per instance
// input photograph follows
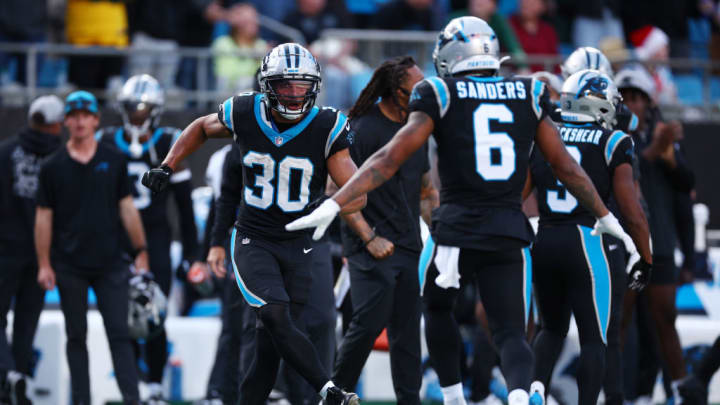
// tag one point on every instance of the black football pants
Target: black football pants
(18, 281)
(111, 289)
(385, 293)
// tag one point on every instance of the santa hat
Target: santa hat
(648, 40)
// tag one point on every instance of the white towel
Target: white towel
(446, 261)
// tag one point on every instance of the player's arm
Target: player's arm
(384, 163)
(340, 168)
(429, 198)
(635, 221)
(130, 217)
(226, 206)
(193, 136)
(43, 239)
(374, 172)
(567, 169)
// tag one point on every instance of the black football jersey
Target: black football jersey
(153, 208)
(484, 128)
(599, 151)
(283, 171)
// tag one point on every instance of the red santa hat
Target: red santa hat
(648, 40)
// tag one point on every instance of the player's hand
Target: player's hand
(639, 276)
(46, 277)
(141, 262)
(158, 178)
(380, 248)
(216, 260)
(611, 226)
(319, 219)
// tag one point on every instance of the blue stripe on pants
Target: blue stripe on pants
(600, 277)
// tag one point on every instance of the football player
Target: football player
(145, 144)
(484, 126)
(574, 271)
(289, 146)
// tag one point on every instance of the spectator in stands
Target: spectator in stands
(20, 159)
(84, 206)
(653, 45)
(416, 15)
(100, 23)
(663, 172)
(197, 19)
(311, 17)
(236, 73)
(155, 27)
(594, 20)
(487, 10)
(671, 16)
(535, 35)
(21, 21)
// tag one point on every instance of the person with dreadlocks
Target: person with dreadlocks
(382, 242)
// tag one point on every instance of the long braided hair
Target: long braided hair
(384, 84)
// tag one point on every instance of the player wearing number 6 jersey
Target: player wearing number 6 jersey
(575, 272)
(288, 147)
(484, 126)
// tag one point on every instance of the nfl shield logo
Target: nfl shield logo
(278, 140)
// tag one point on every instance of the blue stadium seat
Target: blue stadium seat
(715, 88)
(690, 89)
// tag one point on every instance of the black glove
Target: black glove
(639, 275)
(158, 178)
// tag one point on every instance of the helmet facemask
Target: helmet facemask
(139, 118)
(290, 97)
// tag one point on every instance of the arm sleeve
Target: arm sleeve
(225, 114)
(621, 152)
(340, 136)
(45, 196)
(182, 193)
(230, 197)
(432, 97)
(541, 103)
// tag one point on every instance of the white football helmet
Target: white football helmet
(284, 64)
(467, 44)
(148, 308)
(589, 96)
(140, 103)
(583, 58)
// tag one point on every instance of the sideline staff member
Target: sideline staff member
(382, 242)
(20, 160)
(83, 197)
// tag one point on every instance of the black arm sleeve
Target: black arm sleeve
(230, 197)
(181, 192)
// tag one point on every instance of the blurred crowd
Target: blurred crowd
(155, 29)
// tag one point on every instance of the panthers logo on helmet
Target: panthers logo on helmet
(593, 86)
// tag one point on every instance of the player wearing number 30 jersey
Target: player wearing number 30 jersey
(288, 147)
(484, 126)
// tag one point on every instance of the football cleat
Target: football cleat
(337, 396)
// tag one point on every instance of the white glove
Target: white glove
(319, 219)
(611, 226)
